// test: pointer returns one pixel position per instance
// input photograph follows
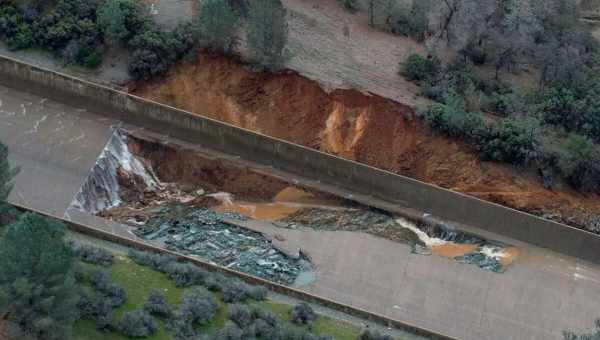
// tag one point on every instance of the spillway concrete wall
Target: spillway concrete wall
(303, 161)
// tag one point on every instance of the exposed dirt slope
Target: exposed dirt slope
(369, 129)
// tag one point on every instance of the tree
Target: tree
(368, 334)
(111, 18)
(267, 33)
(156, 304)
(121, 20)
(217, 23)
(380, 13)
(303, 314)
(410, 21)
(7, 173)
(198, 305)
(351, 5)
(138, 324)
(37, 287)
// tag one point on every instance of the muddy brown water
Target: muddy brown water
(287, 202)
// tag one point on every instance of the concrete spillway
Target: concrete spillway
(130, 183)
(541, 295)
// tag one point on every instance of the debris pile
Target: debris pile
(424, 239)
(201, 232)
(116, 170)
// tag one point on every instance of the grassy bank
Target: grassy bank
(138, 280)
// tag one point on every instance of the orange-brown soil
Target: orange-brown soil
(193, 169)
(357, 126)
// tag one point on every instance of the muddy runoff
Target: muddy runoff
(195, 202)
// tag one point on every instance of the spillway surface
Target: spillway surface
(538, 297)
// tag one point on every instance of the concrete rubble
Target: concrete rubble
(201, 232)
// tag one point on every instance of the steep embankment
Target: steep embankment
(369, 129)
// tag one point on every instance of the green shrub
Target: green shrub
(412, 22)
(103, 316)
(229, 332)
(241, 315)
(258, 293)
(198, 306)
(302, 314)
(186, 274)
(10, 19)
(510, 141)
(155, 261)
(592, 335)
(218, 22)
(454, 121)
(155, 51)
(455, 79)
(267, 33)
(156, 304)
(110, 291)
(350, 5)
(138, 324)
(235, 290)
(419, 68)
(579, 162)
(181, 327)
(22, 39)
(369, 334)
(97, 309)
(121, 20)
(506, 140)
(504, 103)
(94, 255)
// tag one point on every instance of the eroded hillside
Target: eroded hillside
(365, 128)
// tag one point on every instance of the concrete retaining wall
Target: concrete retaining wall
(303, 161)
(275, 287)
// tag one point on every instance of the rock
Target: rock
(201, 232)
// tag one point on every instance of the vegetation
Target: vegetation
(94, 255)
(267, 33)
(555, 125)
(218, 21)
(110, 292)
(351, 5)
(138, 324)
(195, 312)
(542, 126)
(37, 288)
(7, 173)
(80, 31)
(419, 68)
(122, 20)
(368, 334)
(395, 16)
(593, 335)
(157, 304)
(303, 314)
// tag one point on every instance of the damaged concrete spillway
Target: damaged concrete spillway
(101, 190)
(224, 211)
